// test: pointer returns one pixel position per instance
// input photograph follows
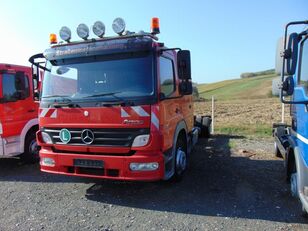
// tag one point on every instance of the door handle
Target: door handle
(31, 110)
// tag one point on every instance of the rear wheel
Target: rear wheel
(31, 152)
(206, 127)
(277, 151)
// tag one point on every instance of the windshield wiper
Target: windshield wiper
(103, 94)
(118, 101)
(52, 96)
(69, 104)
(66, 101)
(65, 98)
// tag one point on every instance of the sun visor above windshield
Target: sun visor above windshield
(99, 47)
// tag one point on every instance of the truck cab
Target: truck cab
(116, 107)
(18, 113)
(291, 141)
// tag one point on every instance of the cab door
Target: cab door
(17, 105)
(170, 107)
(301, 94)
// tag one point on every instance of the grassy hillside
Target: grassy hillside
(247, 88)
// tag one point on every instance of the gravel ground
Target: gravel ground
(237, 188)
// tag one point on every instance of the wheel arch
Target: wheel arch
(181, 129)
(29, 127)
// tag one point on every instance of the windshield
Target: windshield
(100, 79)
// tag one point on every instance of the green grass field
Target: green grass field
(249, 88)
(242, 106)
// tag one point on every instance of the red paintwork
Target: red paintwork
(15, 115)
(105, 117)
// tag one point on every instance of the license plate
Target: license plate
(88, 163)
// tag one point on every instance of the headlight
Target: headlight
(141, 140)
(46, 138)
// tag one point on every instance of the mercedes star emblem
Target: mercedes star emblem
(87, 136)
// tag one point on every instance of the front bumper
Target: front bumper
(10, 146)
(115, 167)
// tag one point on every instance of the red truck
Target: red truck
(18, 112)
(117, 107)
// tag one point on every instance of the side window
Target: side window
(303, 76)
(15, 86)
(167, 84)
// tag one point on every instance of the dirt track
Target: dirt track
(238, 189)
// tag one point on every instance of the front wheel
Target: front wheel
(31, 152)
(180, 159)
(294, 189)
(293, 184)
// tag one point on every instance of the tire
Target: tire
(293, 186)
(276, 151)
(205, 127)
(304, 212)
(31, 152)
(198, 121)
(289, 164)
(180, 160)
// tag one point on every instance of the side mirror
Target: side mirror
(183, 62)
(279, 56)
(186, 87)
(35, 84)
(36, 96)
(289, 55)
(37, 61)
(288, 85)
(35, 77)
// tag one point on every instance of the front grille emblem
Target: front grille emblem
(65, 135)
(87, 136)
